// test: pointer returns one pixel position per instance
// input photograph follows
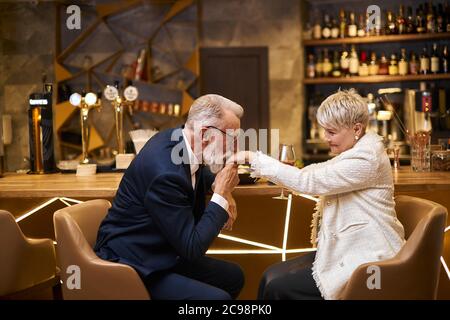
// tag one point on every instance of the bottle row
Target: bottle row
(169, 109)
(344, 63)
(428, 18)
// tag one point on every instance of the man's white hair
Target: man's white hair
(343, 109)
(208, 110)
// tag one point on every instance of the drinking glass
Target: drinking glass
(286, 156)
(420, 151)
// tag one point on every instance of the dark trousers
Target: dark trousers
(290, 280)
(203, 279)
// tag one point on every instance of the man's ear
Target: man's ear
(204, 140)
(358, 128)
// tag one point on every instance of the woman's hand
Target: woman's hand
(242, 157)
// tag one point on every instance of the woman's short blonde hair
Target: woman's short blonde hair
(343, 109)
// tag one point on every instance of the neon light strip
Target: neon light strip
(252, 243)
(286, 226)
(243, 251)
(257, 251)
(71, 200)
(445, 267)
(307, 196)
(65, 202)
(29, 213)
(301, 250)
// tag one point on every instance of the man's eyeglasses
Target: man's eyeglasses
(227, 134)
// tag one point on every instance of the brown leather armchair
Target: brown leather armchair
(27, 266)
(414, 272)
(76, 231)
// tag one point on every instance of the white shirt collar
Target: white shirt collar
(193, 160)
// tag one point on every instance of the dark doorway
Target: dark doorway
(239, 74)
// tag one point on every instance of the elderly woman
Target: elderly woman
(355, 220)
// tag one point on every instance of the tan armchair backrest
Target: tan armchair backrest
(414, 272)
(24, 262)
(76, 231)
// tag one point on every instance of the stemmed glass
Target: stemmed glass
(286, 156)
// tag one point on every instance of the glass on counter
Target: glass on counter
(420, 151)
(440, 160)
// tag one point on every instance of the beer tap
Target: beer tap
(85, 104)
(120, 102)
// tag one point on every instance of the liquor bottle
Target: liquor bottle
(176, 110)
(447, 16)
(345, 62)
(413, 64)
(434, 60)
(372, 126)
(342, 24)
(363, 67)
(410, 27)
(310, 67)
(391, 27)
(336, 65)
(354, 62)
(319, 65)
(334, 29)
(384, 65)
(424, 62)
(370, 29)
(445, 59)
(361, 26)
(140, 65)
(352, 27)
(440, 19)
(170, 109)
(326, 30)
(431, 21)
(327, 67)
(401, 22)
(393, 66)
(317, 30)
(307, 31)
(420, 23)
(373, 65)
(403, 63)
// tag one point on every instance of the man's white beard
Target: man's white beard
(213, 157)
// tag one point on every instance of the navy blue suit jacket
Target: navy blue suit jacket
(156, 217)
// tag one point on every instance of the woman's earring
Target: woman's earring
(356, 137)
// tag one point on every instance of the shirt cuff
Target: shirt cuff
(221, 201)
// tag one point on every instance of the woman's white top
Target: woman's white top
(355, 220)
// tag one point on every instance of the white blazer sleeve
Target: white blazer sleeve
(342, 174)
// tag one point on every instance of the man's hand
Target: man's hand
(226, 180)
(232, 213)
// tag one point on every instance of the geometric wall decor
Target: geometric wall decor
(112, 36)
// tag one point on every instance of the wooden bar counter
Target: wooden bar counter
(264, 233)
(104, 185)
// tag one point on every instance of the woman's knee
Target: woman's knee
(275, 289)
(273, 272)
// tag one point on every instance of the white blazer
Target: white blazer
(357, 209)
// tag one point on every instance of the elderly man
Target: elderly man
(159, 222)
